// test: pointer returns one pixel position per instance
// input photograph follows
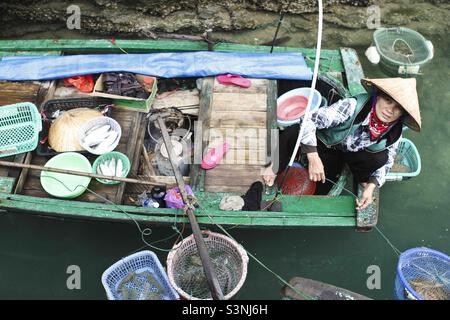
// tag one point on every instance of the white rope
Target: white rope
(313, 84)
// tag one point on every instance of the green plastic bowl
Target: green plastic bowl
(108, 156)
(65, 185)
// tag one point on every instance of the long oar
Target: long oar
(208, 268)
(75, 173)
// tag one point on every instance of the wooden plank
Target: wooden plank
(272, 126)
(244, 157)
(307, 289)
(353, 71)
(15, 92)
(238, 119)
(257, 86)
(177, 99)
(311, 206)
(239, 102)
(239, 144)
(23, 174)
(135, 138)
(367, 218)
(200, 132)
(53, 207)
(7, 184)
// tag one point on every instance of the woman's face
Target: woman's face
(387, 109)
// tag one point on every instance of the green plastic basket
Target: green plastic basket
(403, 51)
(408, 158)
(109, 156)
(20, 125)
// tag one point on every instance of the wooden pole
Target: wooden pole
(208, 268)
(75, 173)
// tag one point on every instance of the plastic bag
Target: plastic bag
(82, 83)
(173, 197)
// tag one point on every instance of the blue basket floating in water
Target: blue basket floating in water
(423, 274)
(136, 269)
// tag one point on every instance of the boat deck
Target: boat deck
(238, 116)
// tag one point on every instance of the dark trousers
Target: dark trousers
(362, 164)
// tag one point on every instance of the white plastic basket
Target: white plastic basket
(96, 122)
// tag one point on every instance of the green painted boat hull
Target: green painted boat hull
(331, 211)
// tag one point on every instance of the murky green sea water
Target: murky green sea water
(35, 252)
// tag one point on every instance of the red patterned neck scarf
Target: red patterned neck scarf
(376, 126)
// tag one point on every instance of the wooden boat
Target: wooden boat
(317, 290)
(340, 73)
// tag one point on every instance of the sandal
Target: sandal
(233, 79)
(214, 156)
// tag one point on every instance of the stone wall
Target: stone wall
(344, 19)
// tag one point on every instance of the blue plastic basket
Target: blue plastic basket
(421, 264)
(138, 262)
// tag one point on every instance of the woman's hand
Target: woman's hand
(315, 167)
(367, 196)
(269, 176)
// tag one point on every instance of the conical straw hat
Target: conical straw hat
(403, 91)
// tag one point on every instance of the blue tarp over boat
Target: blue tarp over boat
(166, 65)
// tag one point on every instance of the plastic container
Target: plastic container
(64, 185)
(425, 268)
(139, 262)
(20, 124)
(403, 51)
(99, 122)
(302, 92)
(107, 157)
(51, 106)
(231, 272)
(408, 157)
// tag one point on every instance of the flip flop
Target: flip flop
(214, 156)
(234, 79)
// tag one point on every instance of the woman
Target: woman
(363, 132)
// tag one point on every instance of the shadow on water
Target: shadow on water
(35, 252)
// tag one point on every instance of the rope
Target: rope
(394, 248)
(144, 232)
(299, 292)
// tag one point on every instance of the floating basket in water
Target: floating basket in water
(185, 269)
(407, 163)
(423, 274)
(403, 51)
(139, 276)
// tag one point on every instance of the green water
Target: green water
(35, 252)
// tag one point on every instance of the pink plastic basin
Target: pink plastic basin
(292, 108)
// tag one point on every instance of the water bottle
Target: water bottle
(158, 194)
(146, 201)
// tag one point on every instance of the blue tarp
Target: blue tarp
(166, 65)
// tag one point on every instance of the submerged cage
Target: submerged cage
(423, 274)
(139, 276)
(185, 269)
(403, 51)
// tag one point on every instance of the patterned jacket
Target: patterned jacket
(337, 113)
